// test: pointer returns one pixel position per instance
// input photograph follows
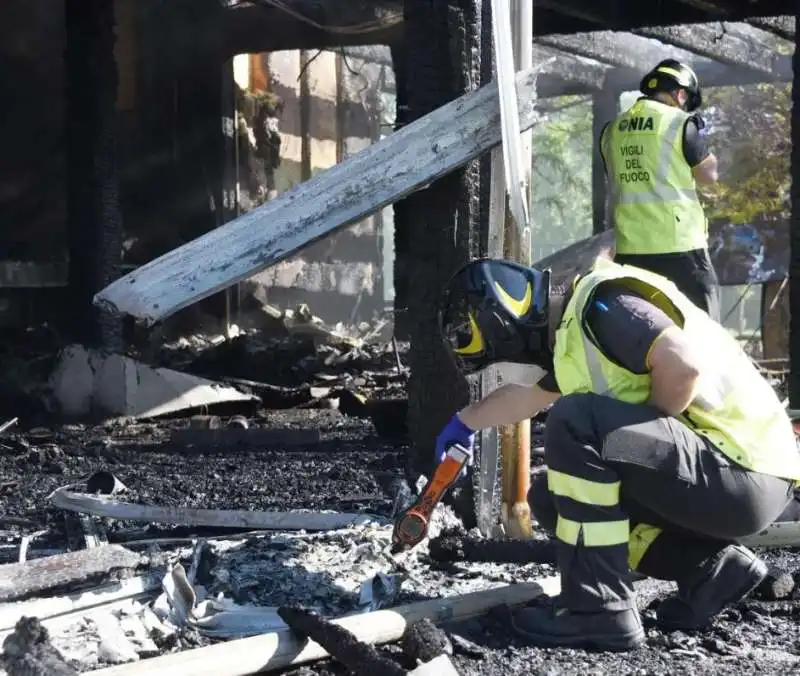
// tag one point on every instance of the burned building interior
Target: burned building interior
(252, 407)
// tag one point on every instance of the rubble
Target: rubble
(227, 585)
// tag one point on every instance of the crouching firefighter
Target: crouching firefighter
(664, 444)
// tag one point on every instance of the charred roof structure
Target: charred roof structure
(601, 48)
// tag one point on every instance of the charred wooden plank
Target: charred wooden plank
(451, 548)
(19, 581)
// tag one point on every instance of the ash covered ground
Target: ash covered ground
(348, 471)
(350, 468)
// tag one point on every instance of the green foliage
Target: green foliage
(750, 136)
(562, 174)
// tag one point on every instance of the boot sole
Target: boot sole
(757, 572)
(621, 643)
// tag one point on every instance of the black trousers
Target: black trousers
(683, 499)
(691, 271)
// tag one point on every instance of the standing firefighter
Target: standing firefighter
(655, 155)
(663, 447)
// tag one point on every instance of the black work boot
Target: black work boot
(552, 625)
(725, 578)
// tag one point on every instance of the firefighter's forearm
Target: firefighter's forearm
(506, 405)
(675, 369)
(674, 398)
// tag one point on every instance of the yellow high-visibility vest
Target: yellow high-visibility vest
(735, 408)
(656, 208)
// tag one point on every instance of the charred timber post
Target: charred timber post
(488, 439)
(94, 218)
(402, 258)
(794, 228)
(605, 104)
(438, 241)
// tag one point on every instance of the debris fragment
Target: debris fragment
(8, 425)
(215, 618)
(104, 483)
(28, 652)
(360, 658)
(463, 646)
(238, 421)
(424, 641)
(776, 586)
(114, 646)
(378, 592)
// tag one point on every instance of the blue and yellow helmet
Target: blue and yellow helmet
(496, 311)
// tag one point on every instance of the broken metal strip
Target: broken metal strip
(383, 173)
(103, 506)
(280, 649)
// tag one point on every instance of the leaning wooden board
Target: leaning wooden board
(20, 581)
(383, 173)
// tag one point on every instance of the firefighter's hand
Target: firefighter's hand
(455, 432)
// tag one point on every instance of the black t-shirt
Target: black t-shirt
(625, 326)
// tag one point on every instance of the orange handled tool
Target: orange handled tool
(412, 526)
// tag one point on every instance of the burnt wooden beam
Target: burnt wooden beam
(783, 26)
(713, 41)
(586, 15)
(252, 27)
(94, 216)
(567, 68)
(637, 54)
(605, 103)
(615, 49)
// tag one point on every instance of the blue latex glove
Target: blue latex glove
(455, 432)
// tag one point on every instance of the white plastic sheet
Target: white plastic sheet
(509, 113)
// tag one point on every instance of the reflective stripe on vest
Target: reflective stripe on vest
(736, 409)
(656, 207)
